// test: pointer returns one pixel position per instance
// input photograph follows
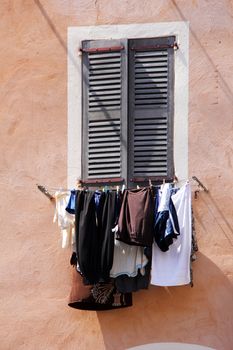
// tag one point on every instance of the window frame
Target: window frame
(78, 34)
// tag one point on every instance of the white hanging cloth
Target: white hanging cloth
(64, 219)
(127, 260)
(172, 268)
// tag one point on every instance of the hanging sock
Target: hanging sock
(70, 208)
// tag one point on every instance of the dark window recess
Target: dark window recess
(128, 110)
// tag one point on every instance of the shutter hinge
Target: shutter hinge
(103, 180)
(156, 179)
(103, 49)
(155, 47)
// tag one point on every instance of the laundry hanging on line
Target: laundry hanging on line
(130, 239)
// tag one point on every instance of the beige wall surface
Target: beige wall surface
(35, 272)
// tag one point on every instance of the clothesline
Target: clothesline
(124, 242)
(46, 190)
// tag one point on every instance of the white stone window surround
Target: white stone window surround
(129, 31)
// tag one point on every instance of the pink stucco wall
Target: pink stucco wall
(35, 273)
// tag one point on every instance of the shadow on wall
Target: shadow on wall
(200, 315)
(215, 214)
(227, 90)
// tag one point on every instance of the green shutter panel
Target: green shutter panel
(151, 80)
(104, 110)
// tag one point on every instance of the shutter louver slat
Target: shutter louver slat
(151, 64)
(104, 93)
(105, 66)
(98, 88)
(156, 70)
(103, 55)
(93, 78)
(150, 54)
(154, 86)
(150, 59)
(150, 95)
(102, 82)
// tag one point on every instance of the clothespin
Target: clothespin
(123, 188)
(175, 180)
(162, 185)
(150, 183)
(138, 187)
(79, 184)
(117, 188)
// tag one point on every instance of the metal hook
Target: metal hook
(200, 184)
(45, 192)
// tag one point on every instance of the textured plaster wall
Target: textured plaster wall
(35, 275)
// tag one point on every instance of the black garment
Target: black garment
(100, 296)
(87, 236)
(136, 218)
(164, 232)
(108, 222)
(94, 237)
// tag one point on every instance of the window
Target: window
(128, 90)
(127, 104)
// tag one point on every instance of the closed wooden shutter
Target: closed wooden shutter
(104, 110)
(128, 88)
(151, 80)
